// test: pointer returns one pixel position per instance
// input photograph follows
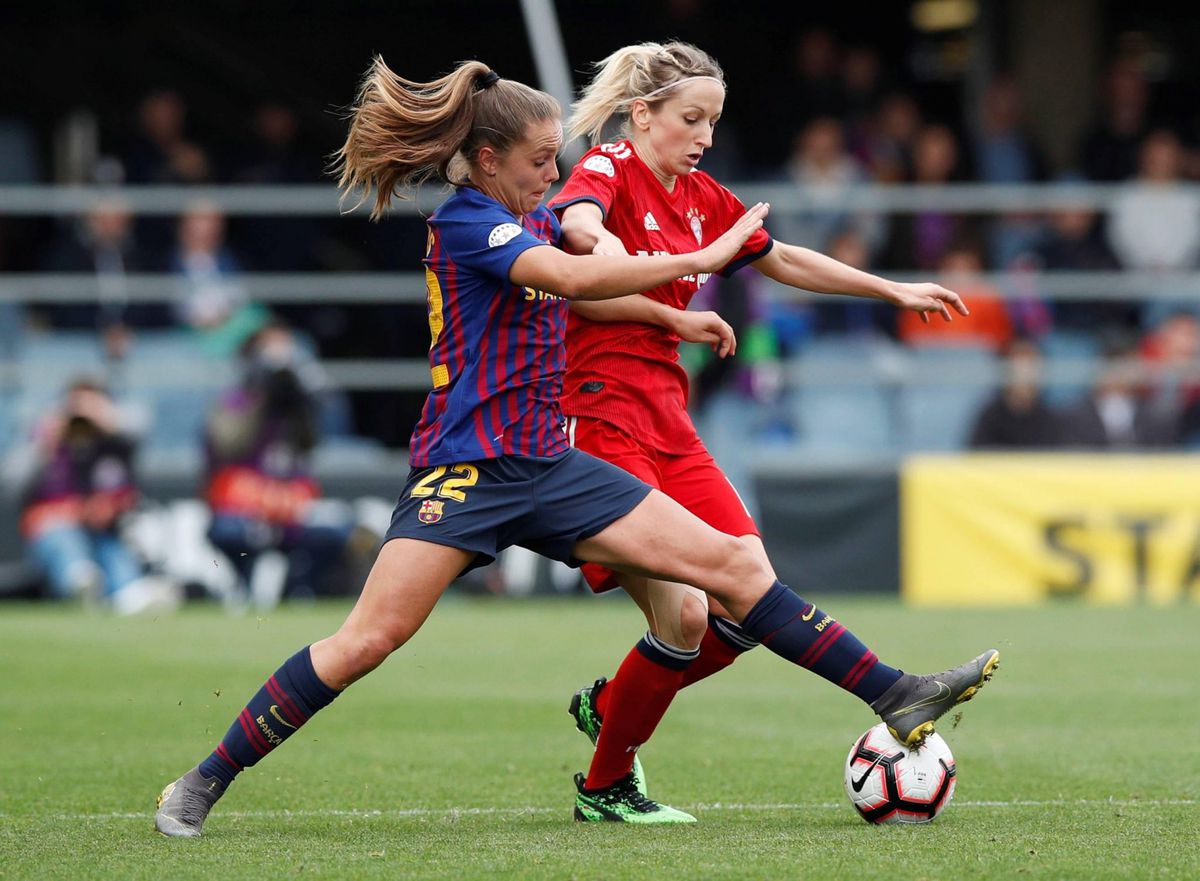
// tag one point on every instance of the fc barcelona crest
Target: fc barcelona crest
(431, 511)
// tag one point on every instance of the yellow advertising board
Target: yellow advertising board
(1018, 529)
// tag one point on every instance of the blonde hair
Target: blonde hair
(404, 132)
(644, 70)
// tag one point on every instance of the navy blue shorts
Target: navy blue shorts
(544, 504)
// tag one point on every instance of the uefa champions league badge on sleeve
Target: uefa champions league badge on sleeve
(601, 164)
(503, 234)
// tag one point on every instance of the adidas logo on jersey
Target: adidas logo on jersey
(651, 223)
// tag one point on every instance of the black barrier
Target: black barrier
(833, 531)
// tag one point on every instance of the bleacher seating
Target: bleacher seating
(947, 387)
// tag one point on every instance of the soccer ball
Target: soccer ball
(890, 783)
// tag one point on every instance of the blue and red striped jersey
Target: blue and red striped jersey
(497, 355)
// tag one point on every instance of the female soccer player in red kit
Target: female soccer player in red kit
(625, 394)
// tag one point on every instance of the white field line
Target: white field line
(566, 808)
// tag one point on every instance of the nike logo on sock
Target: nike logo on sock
(279, 718)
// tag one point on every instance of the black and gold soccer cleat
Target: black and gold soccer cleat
(184, 805)
(913, 703)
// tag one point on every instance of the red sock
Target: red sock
(715, 655)
(723, 642)
(632, 704)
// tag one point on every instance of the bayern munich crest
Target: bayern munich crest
(696, 221)
(431, 511)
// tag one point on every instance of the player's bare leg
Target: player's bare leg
(662, 539)
(405, 583)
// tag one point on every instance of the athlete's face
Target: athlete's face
(518, 178)
(672, 136)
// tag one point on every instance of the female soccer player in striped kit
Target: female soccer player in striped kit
(625, 394)
(491, 465)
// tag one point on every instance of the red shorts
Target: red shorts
(693, 479)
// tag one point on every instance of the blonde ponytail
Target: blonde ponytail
(644, 70)
(404, 132)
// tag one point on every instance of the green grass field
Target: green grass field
(454, 760)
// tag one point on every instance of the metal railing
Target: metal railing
(324, 200)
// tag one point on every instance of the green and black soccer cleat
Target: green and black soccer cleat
(912, 704)
(622, 803)
(587, 720)
(184, 805)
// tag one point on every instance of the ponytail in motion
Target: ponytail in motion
(404, 132)
(646, 71)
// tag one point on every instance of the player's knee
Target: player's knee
(693, 620)
(363, 652)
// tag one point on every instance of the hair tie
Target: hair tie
(487, 80)
(680, 82)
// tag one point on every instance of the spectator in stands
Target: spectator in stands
(161, 152)
(1003, 153)
(1072, 241)
(861, 93)
(887, 152)
(18, 165)
(1110, 149)
(1018, 417)
(820, 164)
(277, 244)
(852, 315)
(1155, 226)
(921, 240)
(1171, 353)
(259, 442)
(989, 324)
(818, 88)
(81, 487)
(1117, 414)
(103, 243)
(214, 302)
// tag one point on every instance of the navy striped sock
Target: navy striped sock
(285, 702)
(801, 633)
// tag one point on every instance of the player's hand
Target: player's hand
(927, 298)
(705, 327)
(717, 255)
(608, 245)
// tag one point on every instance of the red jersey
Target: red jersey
(627, 373)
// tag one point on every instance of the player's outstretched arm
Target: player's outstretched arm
(691, 327)
(596, 277)
(811, 271)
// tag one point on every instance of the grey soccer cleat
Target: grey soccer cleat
(912, 704)
(184, 804)
(587, 720)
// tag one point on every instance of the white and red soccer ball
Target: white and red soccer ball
(888, 782)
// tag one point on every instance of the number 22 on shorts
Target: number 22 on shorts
(453, 479)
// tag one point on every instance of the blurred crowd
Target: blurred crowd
(853, 125)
